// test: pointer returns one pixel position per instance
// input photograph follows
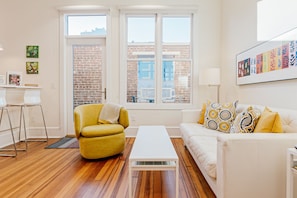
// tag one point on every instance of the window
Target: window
(85, 38)
(86, 25)
(158, 58)
(145, 70)
(168, 72)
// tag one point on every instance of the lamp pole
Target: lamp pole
(218, 93)
(211, 77)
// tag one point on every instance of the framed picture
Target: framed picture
(14, 78)
(32, 51)
(2, 80)
(270, 61)
(32, 67)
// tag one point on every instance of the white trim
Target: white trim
(83, 8)
(34, 132)
(173, 131)
(63, 101)
(83, 36)
(123, 64)
(152, 53)
(64, 94)
(108, 58)
(143, 9)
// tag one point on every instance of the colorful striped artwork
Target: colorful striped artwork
(269, 61)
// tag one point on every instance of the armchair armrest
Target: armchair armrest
(85, 115)
(124, 118)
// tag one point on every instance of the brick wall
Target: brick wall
(87, 74)
(182, 68)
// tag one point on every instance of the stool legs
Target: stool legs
(12, 135)
(41, 109)
(22, 119)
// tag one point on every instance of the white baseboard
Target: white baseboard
(55, 132)
(173, 132)
(38, 132)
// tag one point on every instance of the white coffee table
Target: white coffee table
(153, 150)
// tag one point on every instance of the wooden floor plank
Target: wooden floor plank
(58, 173)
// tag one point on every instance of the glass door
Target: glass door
(85, 75)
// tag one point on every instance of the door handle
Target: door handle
(104, 92)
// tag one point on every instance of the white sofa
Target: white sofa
(241, 165)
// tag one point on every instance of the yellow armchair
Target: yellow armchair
(98, 140)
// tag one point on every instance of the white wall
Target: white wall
(37, 23)
(225, 28)
(239, 33)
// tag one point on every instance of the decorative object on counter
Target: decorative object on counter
(32, 67)
(32, 51)
(31, 85)
(14, 78)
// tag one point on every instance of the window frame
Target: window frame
(171, 12)
(67, 17)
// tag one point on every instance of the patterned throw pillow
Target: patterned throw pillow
(220, 116)
(246, 121)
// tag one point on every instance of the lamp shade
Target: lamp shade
(210, 76)
(1, 48)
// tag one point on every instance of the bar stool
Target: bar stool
(31, 99)
(3, 108)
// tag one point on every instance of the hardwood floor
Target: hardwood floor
(43, 172)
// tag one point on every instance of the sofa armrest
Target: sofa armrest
(190, 115)
(252, 165)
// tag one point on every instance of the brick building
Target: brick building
(176, 76)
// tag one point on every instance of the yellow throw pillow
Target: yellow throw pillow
(269, 122)
(201, 118)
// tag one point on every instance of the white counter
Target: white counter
(15, 94)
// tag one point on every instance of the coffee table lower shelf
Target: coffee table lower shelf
(153, 151)
(153, 166)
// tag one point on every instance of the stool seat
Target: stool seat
(3, 107)
(31, 99)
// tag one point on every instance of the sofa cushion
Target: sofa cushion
(193, 129)
(288, 118)
(205, 150)
(269, 122)
(246, 121)
(220, 116)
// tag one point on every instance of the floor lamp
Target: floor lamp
(211, 77)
